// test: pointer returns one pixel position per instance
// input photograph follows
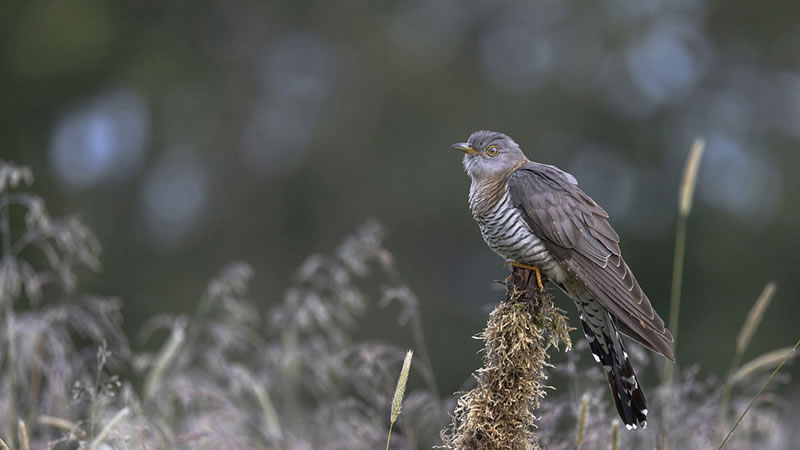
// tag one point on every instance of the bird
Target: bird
(535, 216)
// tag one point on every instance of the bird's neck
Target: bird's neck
(486, 192)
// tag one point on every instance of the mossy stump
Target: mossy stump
(499, 412)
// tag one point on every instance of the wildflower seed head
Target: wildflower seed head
(401, 386)
(690, 177)
(754, 317)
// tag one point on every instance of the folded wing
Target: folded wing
(576, 232)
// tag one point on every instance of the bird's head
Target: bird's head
(488, 154)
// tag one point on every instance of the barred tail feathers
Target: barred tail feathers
(607, 348)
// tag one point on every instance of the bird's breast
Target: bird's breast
(505, 230)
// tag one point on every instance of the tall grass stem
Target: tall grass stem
(24, 443)
(615, 435)
(166, 356)
(272, 422)
(754, 318)
(399, 392)
(684, 209)
(753, 401)
(109, 426)
(582, 420)
(746, 334)
(7, 299)
(11, 378)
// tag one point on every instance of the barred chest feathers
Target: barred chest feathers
(504, 229)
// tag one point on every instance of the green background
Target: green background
(191, 134)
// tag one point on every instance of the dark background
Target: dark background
(190, 134)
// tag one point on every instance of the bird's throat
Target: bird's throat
(487, 192)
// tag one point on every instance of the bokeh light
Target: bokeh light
(298, 74)
(174, 196)
(740, 180)
(103, 140)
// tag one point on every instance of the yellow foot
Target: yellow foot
(529, 267)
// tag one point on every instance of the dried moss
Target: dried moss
(499, 412)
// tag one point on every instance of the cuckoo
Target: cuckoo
(535, 216)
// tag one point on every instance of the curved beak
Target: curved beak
(464, 147)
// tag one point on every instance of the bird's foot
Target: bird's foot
(529, 267)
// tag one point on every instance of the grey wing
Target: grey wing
(576, 232)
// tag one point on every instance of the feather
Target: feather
(576, 232)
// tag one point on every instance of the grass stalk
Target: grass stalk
(754, 318)
(766, 361)
(24, 443)
(109, 426)
(165, 357)
(677, 282)
(60, 423)
(389, 438)
(615, 435)
(268, 409)
(684, 209)
(399, 392)
(35, 384)
(758, 394)
(746, 334)
(582, 420)
(11, 378)
(6, 298)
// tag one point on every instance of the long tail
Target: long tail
(600, 330)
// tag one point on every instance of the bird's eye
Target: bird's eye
(492, 150)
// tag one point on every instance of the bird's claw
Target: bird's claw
(529, 267)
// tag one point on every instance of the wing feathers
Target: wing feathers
(576, 232)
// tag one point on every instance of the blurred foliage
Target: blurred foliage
(299, 377)
(194, 133)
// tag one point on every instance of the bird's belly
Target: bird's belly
(507, 233)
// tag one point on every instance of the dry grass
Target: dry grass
(227, 376)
